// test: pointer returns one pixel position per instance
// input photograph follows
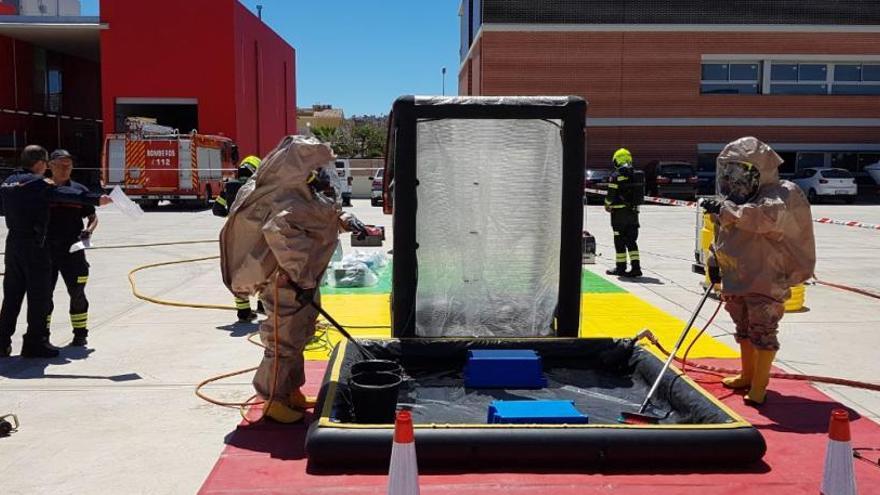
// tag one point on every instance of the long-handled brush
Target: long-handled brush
(640, 417)
(363, 350)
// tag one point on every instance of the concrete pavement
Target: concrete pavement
(122, 418)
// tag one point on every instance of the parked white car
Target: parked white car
(376, 189)
(874, 171)
(819, 183)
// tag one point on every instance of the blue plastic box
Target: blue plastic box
(535, 412)
(488, 368)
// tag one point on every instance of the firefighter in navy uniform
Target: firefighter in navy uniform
(26, 196)
(625, 194)
(66, 229)
(246, 169)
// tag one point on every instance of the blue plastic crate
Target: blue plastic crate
(518, 368)
(535, 412)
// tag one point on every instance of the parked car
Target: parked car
(677, 179)
(376, 190)
(873, 171)
(595, 178)
(819, 183)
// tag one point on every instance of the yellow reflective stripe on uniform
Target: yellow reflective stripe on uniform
(612, 186)
(48, 318)
(242, 303)
(621, 258)
(616, 233)
(220, 200)
(82, 280)
(634, 256)
(79, 320)
(621, 178)
(616, 207)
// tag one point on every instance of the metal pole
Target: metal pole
(443, 71)
(260, 12)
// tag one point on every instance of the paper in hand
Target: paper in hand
(124, 204)
(79, 246)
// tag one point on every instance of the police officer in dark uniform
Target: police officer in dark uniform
(246, 169)
(625, 194)
(65, 230)
(26, 195)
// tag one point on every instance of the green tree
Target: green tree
(325, 133)
(360, 137)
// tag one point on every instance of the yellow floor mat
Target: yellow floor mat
(602, 315)
(624, 315)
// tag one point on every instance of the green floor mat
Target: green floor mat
(595, 284)
(590, 283)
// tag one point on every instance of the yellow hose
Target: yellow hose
(166, 302)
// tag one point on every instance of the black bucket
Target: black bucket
(374, 397)
(376, 366)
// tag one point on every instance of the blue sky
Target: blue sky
(360, 55)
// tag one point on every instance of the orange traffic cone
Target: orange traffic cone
(403, 474)
(839, 478)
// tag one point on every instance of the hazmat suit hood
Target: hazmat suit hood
(751, 150)
(277, 221)
(765, 245)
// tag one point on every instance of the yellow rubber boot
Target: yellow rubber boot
(281, 412)
(758, 392)
(747, 358)
(301, 401)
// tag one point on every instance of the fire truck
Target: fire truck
(153, 163)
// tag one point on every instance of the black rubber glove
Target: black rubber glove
(85, 234)
(305, 296)
(711, 205)
(358, 229)
(714, 274)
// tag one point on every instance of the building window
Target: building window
(790, 77)
(736, 78)
(798, 79)
(856, 79)
(54, 95)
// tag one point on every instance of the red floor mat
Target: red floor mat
(268, 458)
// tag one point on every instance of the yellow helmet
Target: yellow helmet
(250, 164)
(622, 156)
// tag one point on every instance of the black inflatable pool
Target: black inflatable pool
(601, 376)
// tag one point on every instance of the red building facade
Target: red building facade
(209, 65)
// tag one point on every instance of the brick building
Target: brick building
(677, 79)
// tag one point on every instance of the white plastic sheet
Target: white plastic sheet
(488, 227)
(122, 203)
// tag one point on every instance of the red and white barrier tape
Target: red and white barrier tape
(677, 202)
(851, 223)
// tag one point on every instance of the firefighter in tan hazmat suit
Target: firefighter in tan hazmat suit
(763, 246)
(280, 235)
